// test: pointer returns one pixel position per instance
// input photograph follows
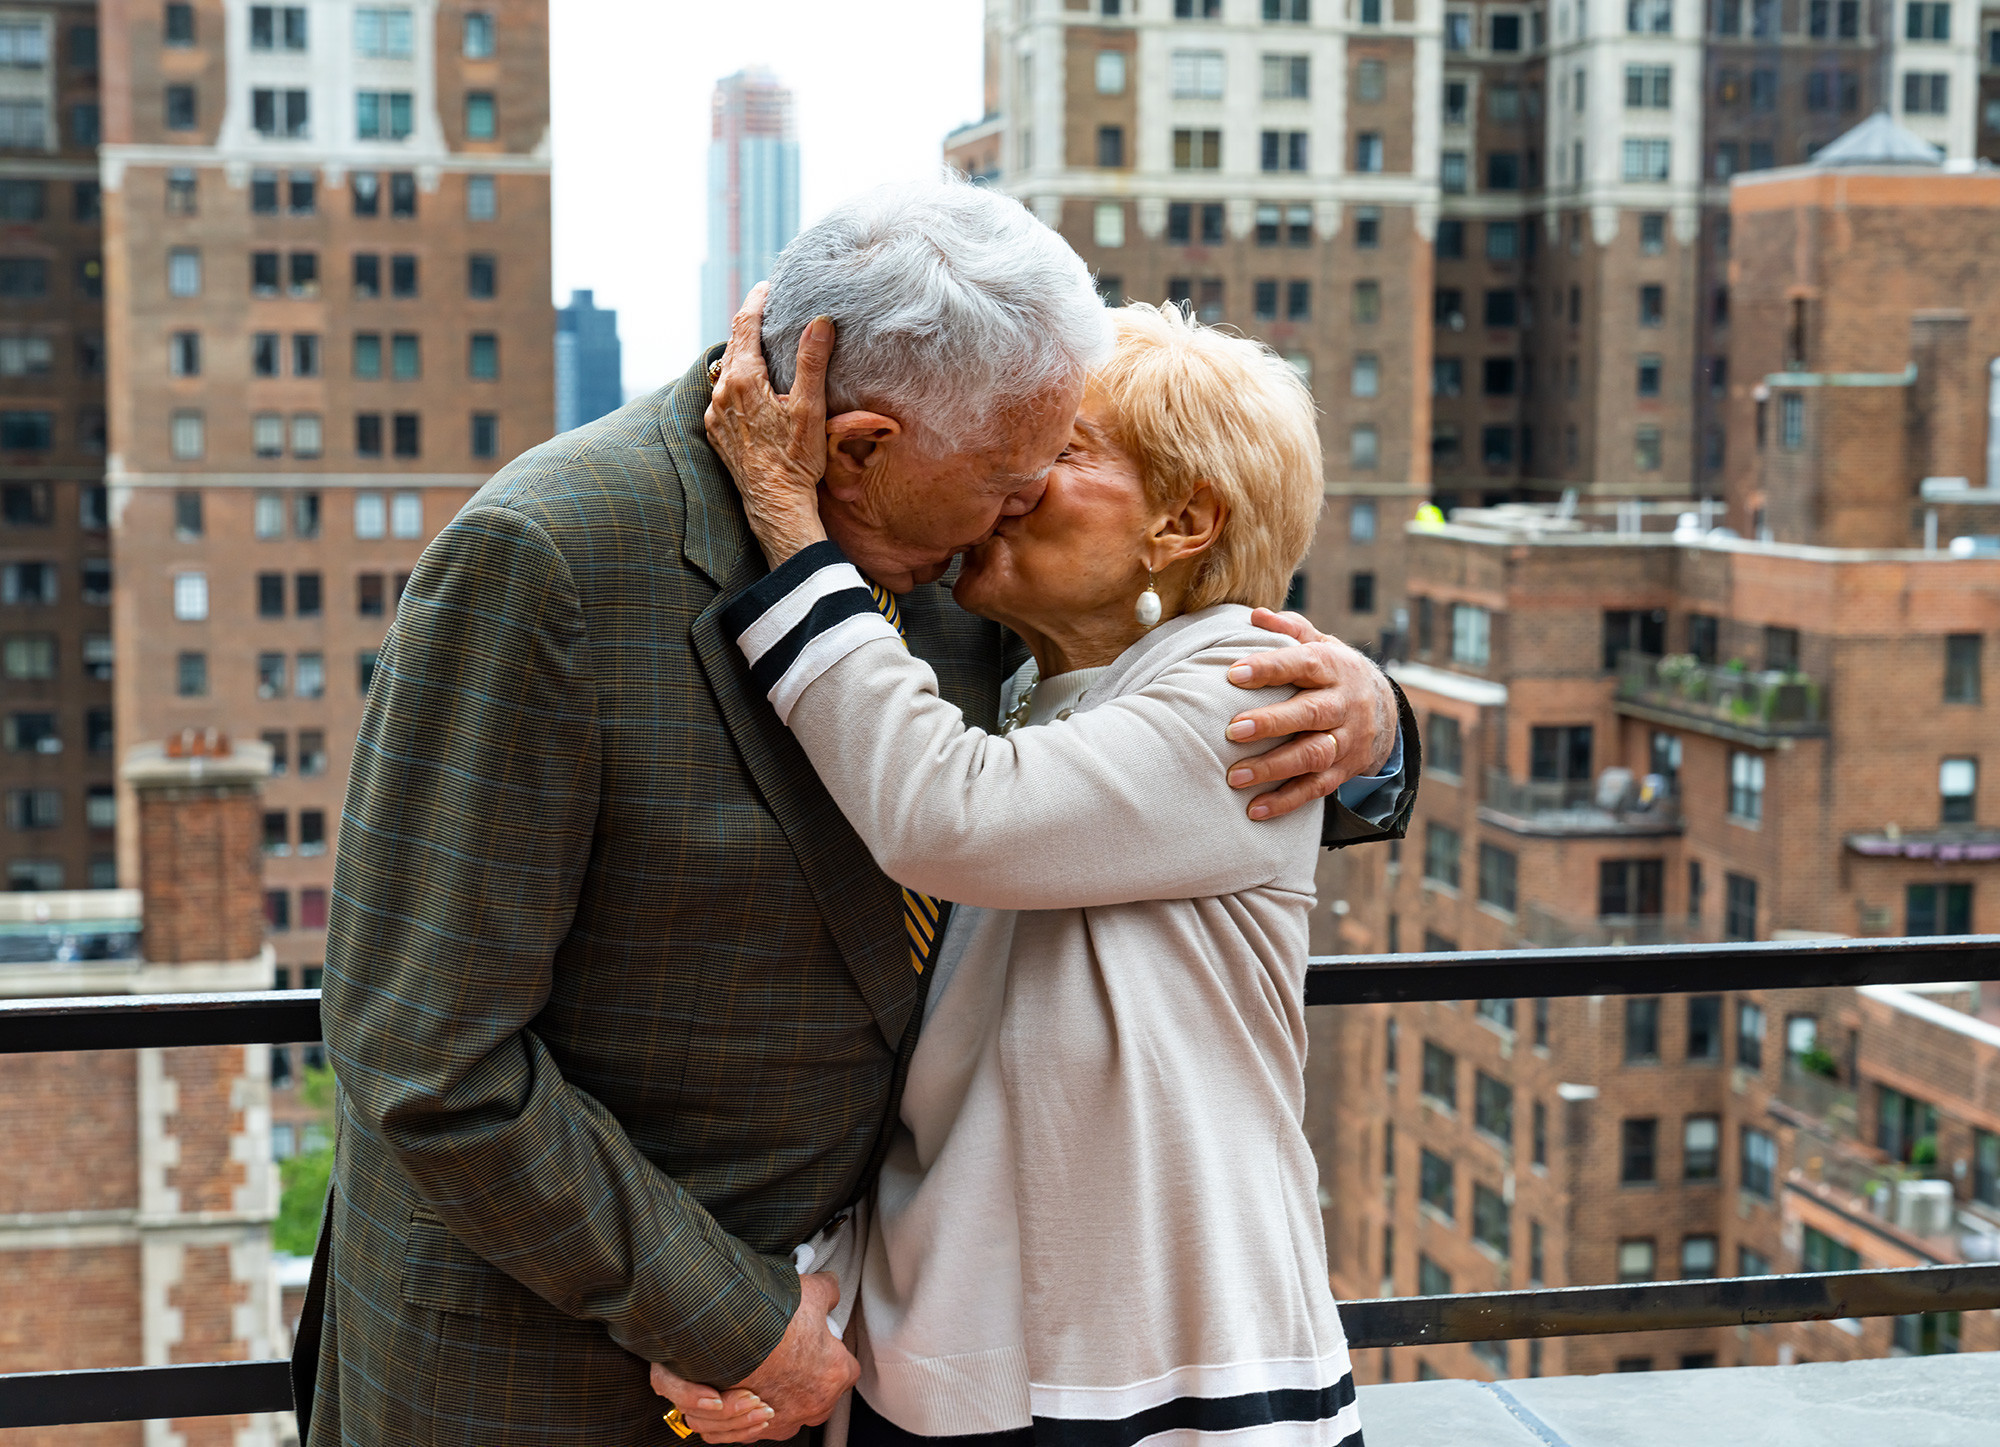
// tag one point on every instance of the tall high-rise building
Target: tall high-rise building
(56, 765)
(753, 192)
(327, 254)
(590, 366)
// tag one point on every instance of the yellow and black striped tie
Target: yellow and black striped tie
(923, 916)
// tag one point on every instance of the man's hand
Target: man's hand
(774, 447)
(1344, 715)
(795, 1388)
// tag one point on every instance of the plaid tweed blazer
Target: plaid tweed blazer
(619, 1004)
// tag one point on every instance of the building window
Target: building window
(1635, 1260)
(1435, 1184)
(1759, 1162)
(1652, 306)
(1444, 750)
(1986, 1167)
(1371, 80)
(1642, 1026)
(1497, 871)
(1111, 72)
(1701, 1148)
(1289, 77)
(1491, 1222)
(1937, 909)
(1739, 907)
(311, 678)
(406, 515)
(1471, 635)
(1791, 421)
(1432, 1279)
(1110, 147)
(1361, 593)
(1440, 1076)
(306, 595)
(482, 198)
(1367, 228)
(191, 675)
(485, 434)
(1958, 789)
(407, 434)
(1649, 87)
(382, 34)
(283, 27)
(1699, 1258)
(1649, 375)
(1646, 160)
(1903, 1124)
(1503, 240)
(1108, 222)
(1364, 452)
(1367, 152)
(1746, 786)
(1962, 661)
(1197, 150)
(1286, 150)
(479, 34)
(402, 276)
(383, 115)
(1366, 379)
(1638, 1151)
(1493, 1100)
(371, 515)
(1750, 1025)
(405, 356)
(1502, 311)
(1926, 93)
(1452, 173)
(1704, 1027)
(480, 121)
(1441, 851)
(1646, 449)
(267, 435)
(280, 113)
(307, 434)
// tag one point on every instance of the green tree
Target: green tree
(306, 1174)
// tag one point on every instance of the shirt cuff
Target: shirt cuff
(802, 618)
(1372, 797)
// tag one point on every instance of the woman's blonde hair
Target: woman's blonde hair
(1190, 404)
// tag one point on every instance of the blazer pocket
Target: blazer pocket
(442, 1273)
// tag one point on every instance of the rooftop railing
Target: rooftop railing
(1727, 700)
(124, 1394)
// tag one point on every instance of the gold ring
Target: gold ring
(715, 371)
(675, 1420)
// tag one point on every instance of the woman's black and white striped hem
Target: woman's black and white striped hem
(802, 618)
(1269, 1412)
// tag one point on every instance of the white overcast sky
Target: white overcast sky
(877, 82)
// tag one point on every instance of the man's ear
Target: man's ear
(855, 443)
(1190, 529)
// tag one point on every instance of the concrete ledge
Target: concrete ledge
(1946, 1401)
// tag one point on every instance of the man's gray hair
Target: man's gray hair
(949, 303)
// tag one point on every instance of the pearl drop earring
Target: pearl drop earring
(1147, 610)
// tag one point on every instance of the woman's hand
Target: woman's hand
(1343, 716)
(717, 1417)
(774, 447)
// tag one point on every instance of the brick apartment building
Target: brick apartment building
(1638, 735)
(137, 1191)
(55, 571)
(1549, 183)
(326, 237)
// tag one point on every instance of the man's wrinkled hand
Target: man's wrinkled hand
(773, 446)
(796, 1387)
(1344, 716)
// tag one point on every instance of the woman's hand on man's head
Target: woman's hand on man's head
(1343, 717)
(774, 447)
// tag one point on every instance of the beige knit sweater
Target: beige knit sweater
(1100, 1213)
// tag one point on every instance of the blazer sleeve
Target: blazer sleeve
(1125, 801)
(1342, 826)
(463, 844)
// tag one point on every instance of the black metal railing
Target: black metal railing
(37, 1399)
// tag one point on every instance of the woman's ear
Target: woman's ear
(1191, 529)
(856, 443)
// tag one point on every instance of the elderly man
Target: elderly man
(619, 1005)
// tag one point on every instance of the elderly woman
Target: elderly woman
(1099, 1218)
